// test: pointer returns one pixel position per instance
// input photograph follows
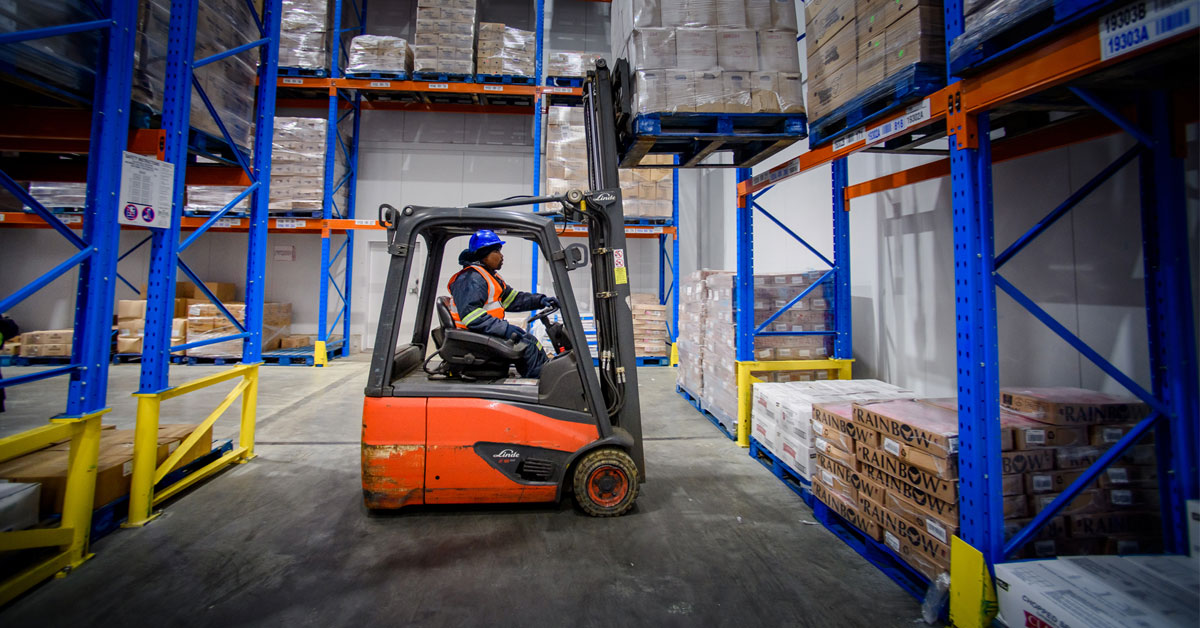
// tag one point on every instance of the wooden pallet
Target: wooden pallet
(750, 137)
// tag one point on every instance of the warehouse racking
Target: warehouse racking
(1065, 55)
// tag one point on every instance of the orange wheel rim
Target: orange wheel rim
(607, 486)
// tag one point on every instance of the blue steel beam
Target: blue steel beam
(23, 195)
(793, 234)
(91, 345)
(229, 53)
(351, 200)
(1170, 318)
(539, 21)
(800, 297)
(744, 285)
(209, 341)
(38, 376)
(328, 205)
(675, 251)
(843, 343)
(216, 117)
(212, 220)
(26, 291)
(208, 294)
(56, 31)
(981, 511)
(1113, 115)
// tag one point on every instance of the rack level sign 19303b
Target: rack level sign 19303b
(1141, 24)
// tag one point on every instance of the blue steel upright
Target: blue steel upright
(538, 103)
(97, 274)
(843, 341)
(744, 282)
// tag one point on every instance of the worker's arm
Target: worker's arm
(514, 301)
(470, 292)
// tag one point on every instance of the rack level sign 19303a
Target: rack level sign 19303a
(1141, 24)
(147, 189)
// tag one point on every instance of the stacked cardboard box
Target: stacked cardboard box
(298, 166)
(504, 50)
(854, 46)
(48, 467)
(784, 418)
(304, 34)
(214, 198)
(650, 336)
(46, 344)
(379, 53)
(645, 192)
(445, 37)
(131, 324)
(693, 312)
(53, 195)
(689, 56)
(720, 351)
(205, 321)
(570, 63)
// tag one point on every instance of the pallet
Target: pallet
(305, 72)
(782, 471)
(296, 213)
(1021, 32)
(564, 81)
(16, 360)
(699, 406)
(215, 148)
(887, 96)
(653, 361)
(443, 77)
(301, 356)
(505, 79)
(207, 213)
(751, 137)
(383, 76)
(125, 358)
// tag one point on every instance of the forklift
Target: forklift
(451, 423)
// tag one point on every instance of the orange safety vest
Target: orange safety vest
(493, 306)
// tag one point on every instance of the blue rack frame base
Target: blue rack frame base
(887, 96)
(384, 76)
(444, 77)
(505, 79)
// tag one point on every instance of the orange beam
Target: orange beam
(526, 110)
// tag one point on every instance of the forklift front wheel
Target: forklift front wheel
(606, 483)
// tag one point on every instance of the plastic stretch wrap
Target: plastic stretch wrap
(298, 166)
(213, 198)
(570, 63)
(505, 50)
(445, 37)
(379, 53)
(65, 62)
(51, 195)
(206, 322)
(992, 18)
(304, 34)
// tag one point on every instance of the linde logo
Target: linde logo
(604, 197)
(507, 453)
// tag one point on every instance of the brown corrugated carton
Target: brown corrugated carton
(1114, 523)
(913, 424)
(938, 527)
(829, 92)
(1105, 435)
(825, 18)
(862, 485)
(764, 93)
(1072, 406)
(916, 37)
(871, 58)
(1026, 461)
(834, 53)
(55, 350)
(131, 309)
(839, 416)
(933, 505)
(941, 488)
(848, 511)
(833, 476)
(736, 88)
(919, 549)
(820, 445)
(1013, 484)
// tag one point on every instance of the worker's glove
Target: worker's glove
(515, 334)
(549, 301)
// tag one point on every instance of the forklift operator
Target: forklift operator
(479, 291)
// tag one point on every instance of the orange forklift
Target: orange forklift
(451, 423)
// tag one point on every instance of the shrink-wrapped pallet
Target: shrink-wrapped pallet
(505, 50)
(379, 53)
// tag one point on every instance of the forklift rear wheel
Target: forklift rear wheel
(606, 483)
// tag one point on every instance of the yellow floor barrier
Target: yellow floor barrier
(320, 357)
(142, 497)
(838, 369)
(71, 536)
(972, 595)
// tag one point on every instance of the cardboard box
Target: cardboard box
(48, 467)
(19, 505)
(1082, 457)
(737, 89)
(848, 511)
(1105, 435)
(917, 425)
(834, 437)
(834, 476)
(921, 551)
(1056, 528)
(1030, 460)
(1012, 484)
(937, 527)
(834, 53)
(918, 36)
(680, 91)
(823, 446)
(1087, 502)
(932, 505)
(764, 93)
(710, 91)
(1111, 523)
(840, 417)
(54, 350)
(791, 92)
(737, 50)
(872, 56)
(1030, 434)
(1098, 591)
(941, 488)
(1072, 406)
(862, 485)
(825, 18)
(128, 309)
(129, 344)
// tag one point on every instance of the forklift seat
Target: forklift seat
(471, 354)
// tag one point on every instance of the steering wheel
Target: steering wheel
(554, 331)
(541, 316)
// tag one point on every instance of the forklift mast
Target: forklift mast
(606, 107)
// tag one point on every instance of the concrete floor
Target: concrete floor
(714, 539)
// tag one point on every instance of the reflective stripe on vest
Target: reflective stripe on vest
(493, 305)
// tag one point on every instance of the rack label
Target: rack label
(643, 230)
(1143, 23)
(70, 220)
(289, 223)
(147, 190)
(493, 88)
(364, 222)
(619, 272)
(559, 90)
(438, 86)
(228, 222)
(380, 83)
(2, 215)
(848, 140)
(293, 81)
(914, 115)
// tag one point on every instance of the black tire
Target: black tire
(606, 483)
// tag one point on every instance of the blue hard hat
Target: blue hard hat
(483, 239)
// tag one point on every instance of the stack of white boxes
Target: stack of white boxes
(650, 336)
(720, 394)
(504, 50)
(731, 56)
(693, 312)
(645, 192)
(571, 63)
(445, 37)
(208, 199)
(781, 419)
(304, 34)
(379, 53)
(298, 166)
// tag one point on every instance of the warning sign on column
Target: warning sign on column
(147, 189)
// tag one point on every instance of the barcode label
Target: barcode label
(2, 216)
(493, 88)
(849, 139)
(818, 428)
(1122, 497)
(891, 541)
(822, 445)
(914, 115)
(127, 468)
(1140, 24)
(559, 90)
(1042, 483)
(891, 446)
(364, 222)
(289, 223)
(1112, 434)
(70, 220)
(293, 81)
(937, 530)
(1035, 437)
(381, 83)
(827, 477)
(438, 86)
(228, 222)
(1118, 475)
